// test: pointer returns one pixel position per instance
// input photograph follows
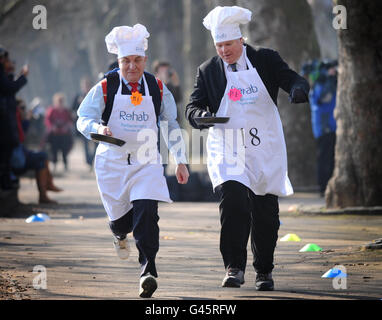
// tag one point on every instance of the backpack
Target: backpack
(111, 83)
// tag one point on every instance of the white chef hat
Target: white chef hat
(127, 41)
(223, 22)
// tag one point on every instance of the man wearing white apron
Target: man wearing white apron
(246, 157)
(130, 178)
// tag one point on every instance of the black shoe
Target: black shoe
(264, 282)
(147, 286)
(233, 278)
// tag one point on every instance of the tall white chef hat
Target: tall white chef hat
(223, 22)
(127, 41)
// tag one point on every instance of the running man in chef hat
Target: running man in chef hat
(127, 105)
(242, 83)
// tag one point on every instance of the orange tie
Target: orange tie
(134, 86)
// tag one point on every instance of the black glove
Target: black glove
(298, 96)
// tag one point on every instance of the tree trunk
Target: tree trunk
(358, 162)
(286, 26)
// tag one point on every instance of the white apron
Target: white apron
(123, 175)
(250, 147)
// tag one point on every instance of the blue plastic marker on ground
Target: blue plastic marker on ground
(43, 216)
(34, 218)
(40, 217)
(334, 273)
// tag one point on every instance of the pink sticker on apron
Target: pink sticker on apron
(234, 94)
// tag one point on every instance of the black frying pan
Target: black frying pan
(210, 120)
(103, 138)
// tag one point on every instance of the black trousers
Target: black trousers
(325, 159)
(142, 220)
(60, 143)
(242, 213)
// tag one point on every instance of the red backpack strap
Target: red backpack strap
(160, 84)
(104, 89)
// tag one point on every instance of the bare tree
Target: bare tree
(358, 162)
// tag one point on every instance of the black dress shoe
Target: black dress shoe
(147, 286)
(264, 282)
(233, 278)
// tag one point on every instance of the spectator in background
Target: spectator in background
(165, 72)
(59, 125)
(32, 160)
(9, 138)
(89, 146)
(323, 79)
(36, 126)
(113, 65)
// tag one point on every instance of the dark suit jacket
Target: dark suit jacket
(211, 81)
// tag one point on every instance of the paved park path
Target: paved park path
(75, 248)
